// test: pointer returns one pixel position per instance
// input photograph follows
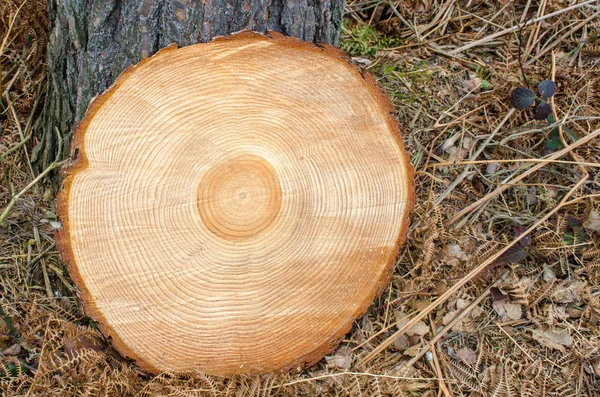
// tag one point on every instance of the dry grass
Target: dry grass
(497, 291)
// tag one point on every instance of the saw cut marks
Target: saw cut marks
(232, 207)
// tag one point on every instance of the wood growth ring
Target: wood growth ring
(240, 197)
(235, 205)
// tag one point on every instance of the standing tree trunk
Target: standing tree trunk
(93, 41)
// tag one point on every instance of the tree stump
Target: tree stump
(232, 207)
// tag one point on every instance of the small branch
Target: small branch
(521, 50)
(17, 196)
(51, 167)
(15, 147)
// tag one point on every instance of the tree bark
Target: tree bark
(93, 41)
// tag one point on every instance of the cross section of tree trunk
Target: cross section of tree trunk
(232, 207)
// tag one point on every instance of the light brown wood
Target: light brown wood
(232, 207)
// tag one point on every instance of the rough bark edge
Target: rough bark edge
(79, 162)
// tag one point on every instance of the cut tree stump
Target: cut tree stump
(232, 207)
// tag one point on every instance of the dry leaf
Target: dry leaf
(413, 350)
(491, 168)
(574, 312)
(514, 254)
(342, 358)
(448, 317)
(462, 303)
(570, 292)
(554, 338)
(497, 295)
(455, 255)
(419, 328)
(12, 350)
(418, 304)
(467, 355)
(507, 310)
(475, 312)
(548, 274)
(401, 342)
(593, 221)
(472, 84)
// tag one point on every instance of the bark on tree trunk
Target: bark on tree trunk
(93, 41)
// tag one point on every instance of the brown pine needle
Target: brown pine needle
(524, 175)
(446, 295)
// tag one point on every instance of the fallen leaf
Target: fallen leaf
(525, 241)
(448, 317)
(456, 251)
(419, 328)
(467, 355)
(455, 256)
(574, 312)
(401, 342)
(593, 221)
(419, 304)
(475, 312)
(491, 168)
(570, 292)
(556, 338)
(548, 274)
(462, 303)
(497, 295)
(342, 358)
(472, 84)
(448, 143)
(413, 350)
(514, 254)
(509, 310)
(12, 350)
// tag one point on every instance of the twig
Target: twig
(514, 341)
(438, 371)
(20, 130)
(512, 29)
(47, 284)
(460, 163)
(445, 296)
(521, 50)
(41, 254)
(534, 37)
(15, 147)
(51, 167)
(382, 376)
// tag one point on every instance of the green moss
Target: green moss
(362, 40)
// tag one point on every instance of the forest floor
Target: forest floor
(500, 275)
